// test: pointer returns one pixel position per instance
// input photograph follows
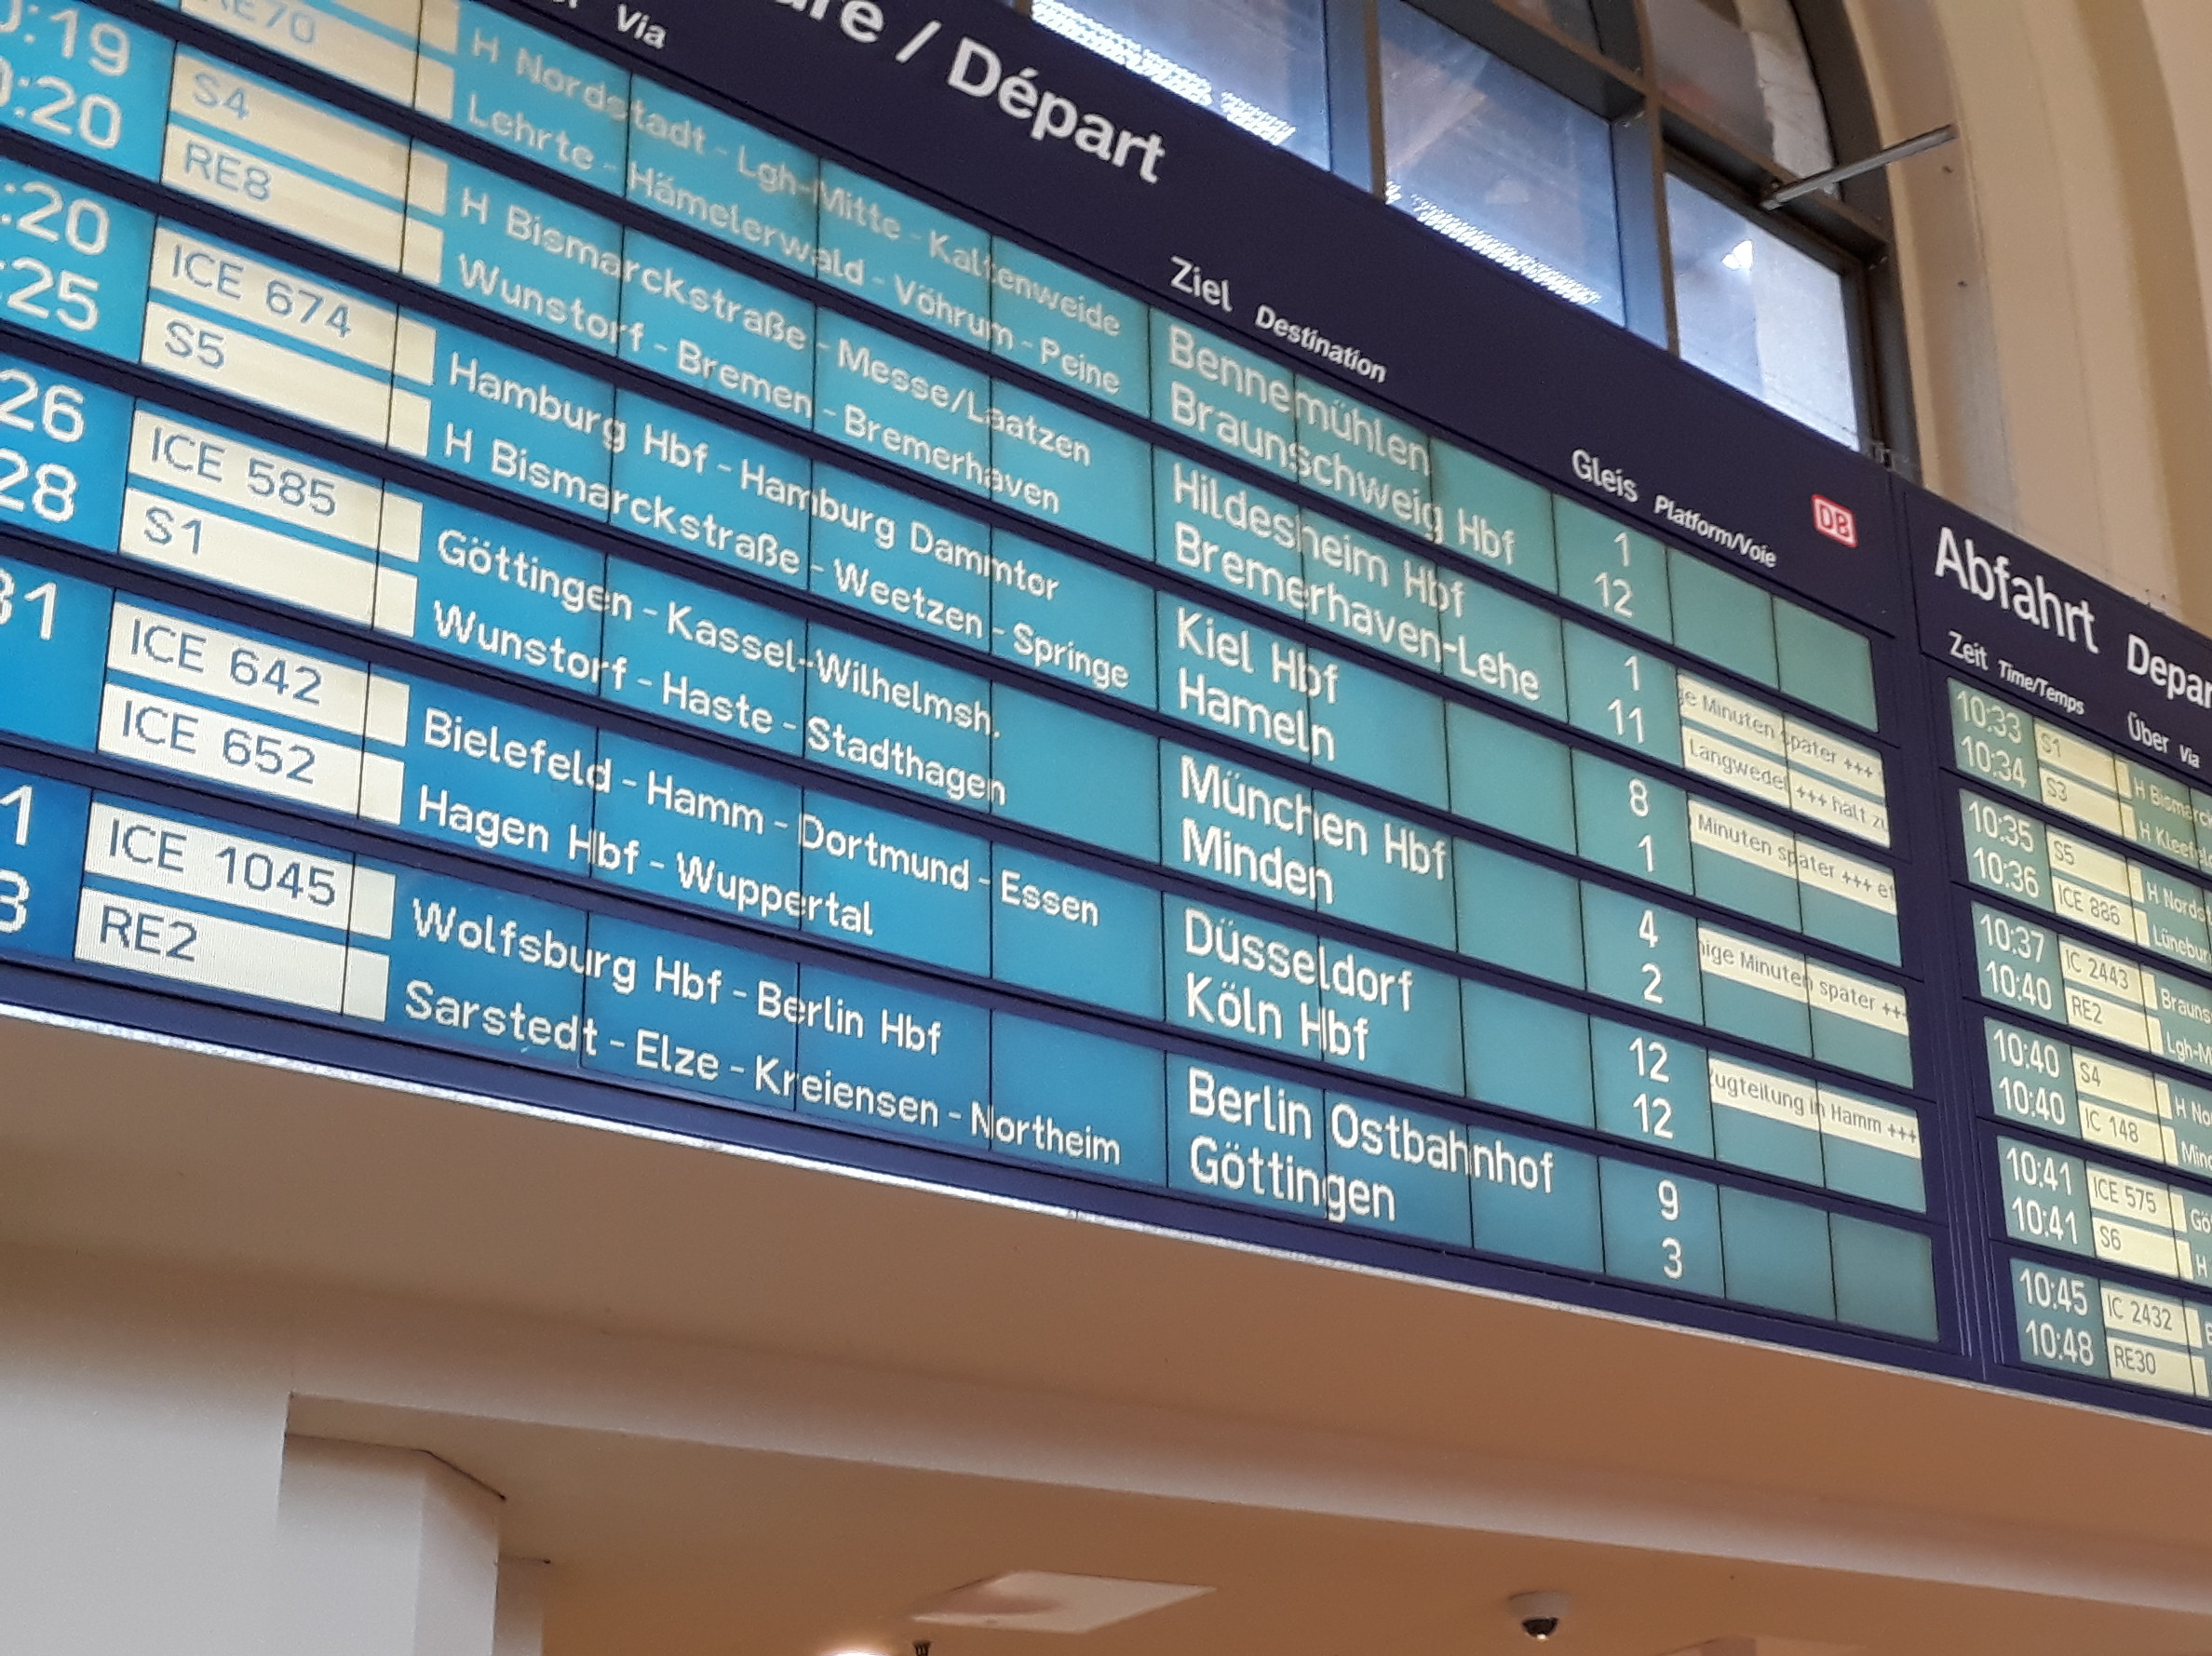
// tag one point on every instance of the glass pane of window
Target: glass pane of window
(1258, 63)
(1572, 18)
(1498, 161)
(1741, 64)
(1761, 315)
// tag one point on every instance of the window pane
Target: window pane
(1571, 17)
(1761, 315)
(1742, 65)
(1499, 162)
(1257, 62)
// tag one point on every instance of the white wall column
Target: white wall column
(140, 1445)
(520, 1629)
(383, 1552)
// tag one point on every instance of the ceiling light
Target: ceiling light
(1046, 1601)
(1740, 256)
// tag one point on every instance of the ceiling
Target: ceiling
(751, 1405)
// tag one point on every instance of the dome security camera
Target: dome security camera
(1539, 1613)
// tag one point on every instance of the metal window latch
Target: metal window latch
(1784, 194)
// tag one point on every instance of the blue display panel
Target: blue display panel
(842, 664)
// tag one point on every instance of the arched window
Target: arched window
(1613, 152)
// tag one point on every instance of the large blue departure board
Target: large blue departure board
(842, 577)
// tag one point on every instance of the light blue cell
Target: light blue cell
(1074, 931)
(1766, 1122)
(1243, 1136)
(1618, 571)
(1077, 333)
(1494, 643)
(1661, 1227)
(1222, 394)
(920, 411)
(1398, 1171)
(531, 93)
(528, 255)
(1651, 1088)
(498, 778)
(1861, 1025)
(1885, 1279)
(95, 55)
(1079, 1102)
(1632, 823)
(1072, 620)
(1509, 777)
(1223, 822)
(53, 653)
(1236, 977)
(1756, 991)
(1775, 1254)
(524, 425)
(1872, 1150)
(1534, 1200)
(900, 719)
(1490, 517)
(1384, 872)
(1067, 469)
(888, 1058)
(1640, 953)
(1372, 462)
(680, 1013)
(494, 593)
(702, 656)
(1375, 728)
(1243, 681)
(41, 850)
(1387, 599)
(1387, 1017)
(1073, 773)
(740, 340)
(716, 836)
(1525, 1054)
(710, 491)
(1722, 617)
(476, 966)
(1229, 533)
(906, 255)
(723, 178)
(896, 884)
(1826, 664)
(899, 557)
(1518, 914)
(1623, 696)
(77, 260)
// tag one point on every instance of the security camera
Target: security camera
(1538, 1613)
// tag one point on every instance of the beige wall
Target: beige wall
(2054, 262)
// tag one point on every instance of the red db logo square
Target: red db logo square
(1834, 522)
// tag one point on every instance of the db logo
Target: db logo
(1834, 522)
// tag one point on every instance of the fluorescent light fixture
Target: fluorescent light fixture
(1498, 251)
(1046, 1601)
(1159, 68)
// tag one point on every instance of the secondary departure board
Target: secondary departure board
(843, 577)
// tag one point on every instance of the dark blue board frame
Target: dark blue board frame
(1577, 384)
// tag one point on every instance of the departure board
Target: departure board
(845, 578)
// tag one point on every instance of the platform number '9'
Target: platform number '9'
(1670, 1209)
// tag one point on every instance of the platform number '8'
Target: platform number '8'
(14, 889)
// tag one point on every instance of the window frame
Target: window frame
(1849, 229)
